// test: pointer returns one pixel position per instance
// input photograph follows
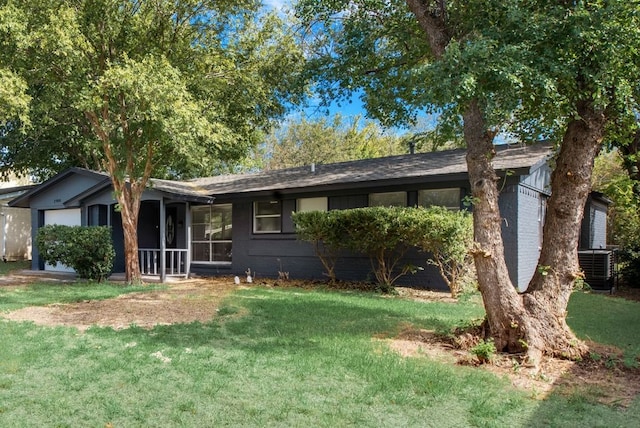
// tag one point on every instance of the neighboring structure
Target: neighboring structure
(229, 224)
(596, 259)
(15, 225)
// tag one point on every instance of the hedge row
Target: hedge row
(386, 234)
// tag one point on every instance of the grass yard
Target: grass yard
(284, 357)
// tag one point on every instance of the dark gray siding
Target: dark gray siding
(267, 254)
(593, 232)
(508, 209)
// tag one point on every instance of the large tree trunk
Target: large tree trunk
(509, 323)
(128, 197)
(548, 293)
(536, 321)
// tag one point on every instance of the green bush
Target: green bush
(623, 220)
(386, 234)
(484, 351)
(447, 236)
(324, 231)
(86, 249)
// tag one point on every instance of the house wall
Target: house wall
(522, 208)
(15, 233)
(508, 203)
(593, 232)
(267, 254)
(53, 198)
(529, 240)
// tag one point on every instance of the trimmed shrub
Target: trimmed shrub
(447, 236)
(324, 231)
(86, 249)
(385, 234)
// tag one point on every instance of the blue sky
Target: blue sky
(349, 108)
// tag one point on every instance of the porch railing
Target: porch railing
(175, 261)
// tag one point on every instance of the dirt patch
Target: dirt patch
(629, 293)
(604, 378)
(182, 302)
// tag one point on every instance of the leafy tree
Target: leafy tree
(303, 142)
(562, 70)
(612, 178)
(14, 100)
(141, 88)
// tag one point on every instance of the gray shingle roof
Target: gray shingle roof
(421, 166)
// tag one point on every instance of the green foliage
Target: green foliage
(446, 235)
(377, 232)
(484, 351)
(385, 234)
(528, 64)
(326, 232)
(612, 179)
(174, 88)
(88, 250)
(325, 141)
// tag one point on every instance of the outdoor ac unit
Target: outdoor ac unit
(598, 267)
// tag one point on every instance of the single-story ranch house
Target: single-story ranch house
(226, 225)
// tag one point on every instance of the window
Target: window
(388, 199)
(449, 198)
(211, 234)
(97, 215)
(312, 204)
(267, 217)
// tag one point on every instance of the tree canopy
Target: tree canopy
(326, 140)
(563, 71)
(138, 88)
(188, 82)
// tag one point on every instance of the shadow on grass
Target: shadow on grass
(603, 390)
(267, 321)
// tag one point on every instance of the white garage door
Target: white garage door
(69, 217)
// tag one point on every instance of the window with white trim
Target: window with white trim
(211, 235)
(312, 204)
(388, 199)
(449, 198)
(267, 217)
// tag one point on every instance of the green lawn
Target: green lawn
(282, 358)
(7, 267)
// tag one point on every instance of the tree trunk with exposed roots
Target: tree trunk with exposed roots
(535, 321)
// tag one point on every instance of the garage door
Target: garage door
(70, 217)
